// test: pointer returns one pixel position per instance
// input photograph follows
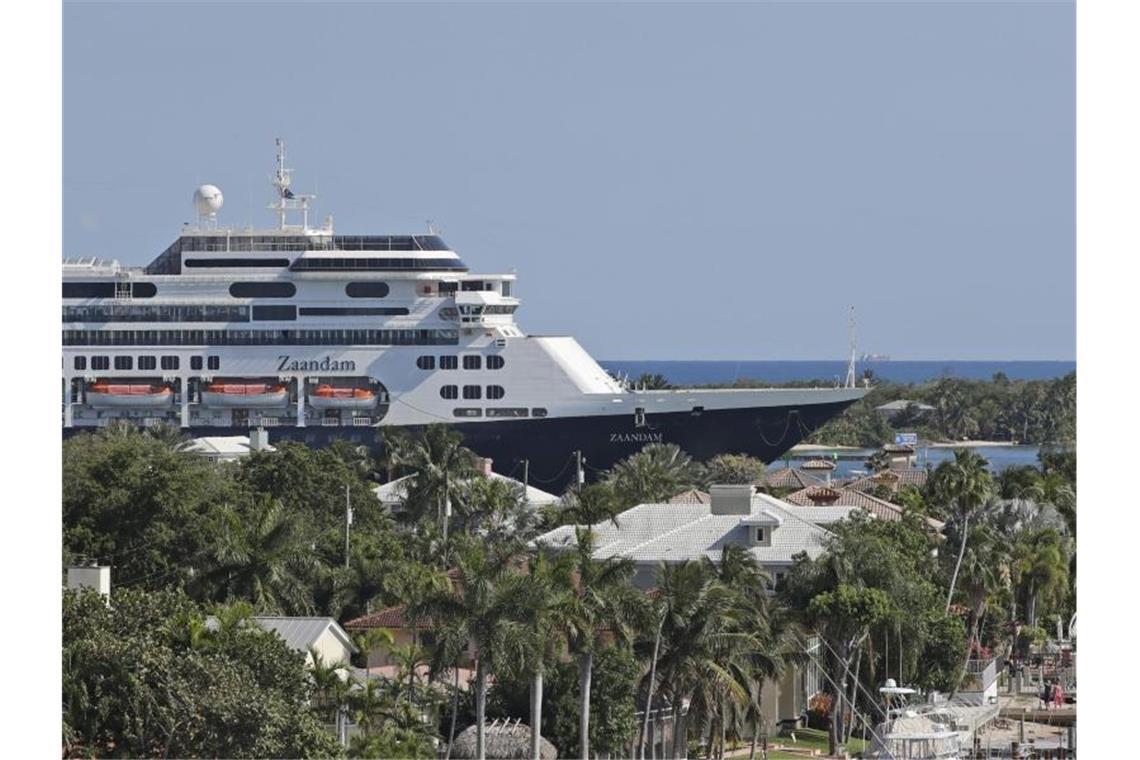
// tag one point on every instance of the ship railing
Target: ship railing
(361, 421)
(330, 422)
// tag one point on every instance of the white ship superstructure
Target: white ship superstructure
(323, 336)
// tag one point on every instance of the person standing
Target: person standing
(1058, 696)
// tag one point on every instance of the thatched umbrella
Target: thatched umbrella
(504, 741)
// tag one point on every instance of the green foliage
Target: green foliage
(734, 468)
(940, 661)
(653, 475)
(1030, 412)
(140, 503)
(142, 678)
(613, 707)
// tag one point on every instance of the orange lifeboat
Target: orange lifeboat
(326, 396)
(244, 394)
(138, 395)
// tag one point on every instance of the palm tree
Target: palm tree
(548, 606)
(492, 507)
(982, 574)
(603, 600)
(657, 472)
(963, 485)
(439, 462)
(487, 610)
(589, 505)
(1042, 569)
(258, 556)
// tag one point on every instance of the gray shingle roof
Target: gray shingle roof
(678, 532)
(300, 633)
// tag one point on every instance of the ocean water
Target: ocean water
(706, 372)
(852, 461)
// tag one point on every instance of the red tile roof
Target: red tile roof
(392, 617)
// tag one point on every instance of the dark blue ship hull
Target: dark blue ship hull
(549, 444)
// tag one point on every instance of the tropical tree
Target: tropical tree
(734, 468)
(603, 600)
(961, 486)
(438, 463)
(486, 609)
(655, 381)
(258, 555)
(653, 475)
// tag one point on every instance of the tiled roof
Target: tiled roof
(818, 464)
(392, 617)
(300, 633)
(893, 479)
(692, 496)
(678, 532)
(855, 499)
(789, 477)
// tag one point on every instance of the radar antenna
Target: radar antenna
(287, 200)
(851, 345)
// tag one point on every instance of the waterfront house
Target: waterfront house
(789, 479)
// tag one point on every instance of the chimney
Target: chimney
(485, 466)
(258, 439)
(93, 576)
(731, 500)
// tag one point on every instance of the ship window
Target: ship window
(263, 290)
(468, 411)
(366, 289)
(213, 362)
(143, 290)
(494, 361)
(538, 411)
(352, 311)
(507, 412)
(425, 362)
(450, 392)
(472, 361)
(274, 313)
(81, 362)
(495, 392)
(100, 362)
(88, 290)
(448, 287)
(472, 285)
(449, 362)
(147, 362)
(230, 263)
(506, 288)
(195, 362)
(123, 362)
(170, 362)
(472, 392)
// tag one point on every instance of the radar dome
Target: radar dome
(207, 200)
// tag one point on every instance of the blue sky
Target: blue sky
(669, 181)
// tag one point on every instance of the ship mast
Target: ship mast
(287, 200)
(851, 345)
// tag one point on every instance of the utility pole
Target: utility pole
(347, 521)
(850, 383)
(581, 472)
(526, 473)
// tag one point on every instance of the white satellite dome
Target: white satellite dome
(207, 200)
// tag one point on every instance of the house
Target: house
(393, 493)
(773, 531)
(850, 497)
(893, 479)
(895, 408)
(320, 634)
(223, 448)
(789, 478)
(692, 496)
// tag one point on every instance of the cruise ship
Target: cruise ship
(318, 336)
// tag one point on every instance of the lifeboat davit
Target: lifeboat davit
(137, 395)
(326, 396)
(244, 394)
